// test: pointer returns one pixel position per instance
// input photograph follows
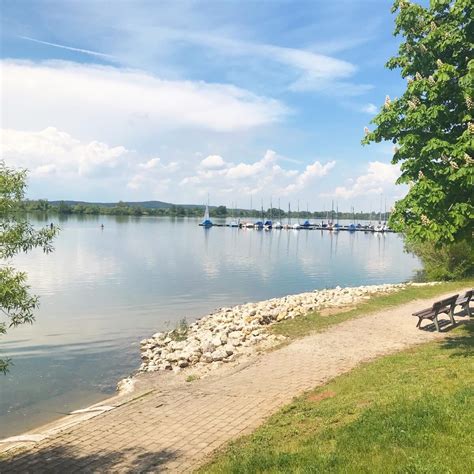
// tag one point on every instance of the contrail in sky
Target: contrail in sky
(79, 50)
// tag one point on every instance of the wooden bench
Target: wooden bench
(464, 301)
(444, 306)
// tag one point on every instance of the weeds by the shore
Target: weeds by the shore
(316, 322)
(409, 412)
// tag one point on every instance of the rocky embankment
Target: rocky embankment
(229, 333)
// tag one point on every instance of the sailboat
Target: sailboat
(249, 224)
(306, 223)
(288, 223)
(325, 224)
(352, 227)
(379, 227)
(269, 222)
(337, 226)
(278, 225)
(330, 225)
(259, 223)
(385, 226)
(298, 225)
(233, 223)
(206, 222)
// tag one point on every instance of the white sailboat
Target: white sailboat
(233, 223)
(380, 227)
(206, 221)
(278, 225)
(297, 225)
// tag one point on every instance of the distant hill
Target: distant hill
(142, 204)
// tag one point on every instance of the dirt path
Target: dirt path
(175, 425)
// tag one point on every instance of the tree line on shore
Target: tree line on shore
(131, 209)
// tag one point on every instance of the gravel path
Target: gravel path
(168, 424)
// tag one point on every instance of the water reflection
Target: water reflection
(102, 290)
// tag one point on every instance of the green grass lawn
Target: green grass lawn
(405, 413)
(314, 322)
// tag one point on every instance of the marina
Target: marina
(331, 222)
(259, 225)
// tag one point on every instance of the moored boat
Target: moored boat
(206, 222)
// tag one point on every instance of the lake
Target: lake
(102, 290)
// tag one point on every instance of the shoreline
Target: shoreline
(230, 334)
(166, 414)
(254, 339)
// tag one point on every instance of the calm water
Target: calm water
(104, 290)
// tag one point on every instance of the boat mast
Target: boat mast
(380, 212)
(289, 213)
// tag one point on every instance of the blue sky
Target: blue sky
(171, 100)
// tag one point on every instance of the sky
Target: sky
(175, 100)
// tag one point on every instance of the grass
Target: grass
(192, 378)
(180, 332)
(405, 413)
(315, 322)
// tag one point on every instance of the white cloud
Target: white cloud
(52, 152)
(244, 170)
(91, 100)
(370, 109)
(55, 157)
(150, 164)
(380, 178)
(213, 162)
(264, 175)
(313, 171)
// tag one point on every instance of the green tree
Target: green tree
(16, 235)
(432, 128)
(220, 211)
(180, 211)
(43, 205)
(431, 123)
(64, 208)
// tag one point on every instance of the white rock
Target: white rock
(219, 354)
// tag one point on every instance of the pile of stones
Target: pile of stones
(229, 333)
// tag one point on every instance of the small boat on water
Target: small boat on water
(352, 227)
(233, 222)
(260, 223)
(206, 221)
(278, 225)
(298, 225)
(268, 224)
